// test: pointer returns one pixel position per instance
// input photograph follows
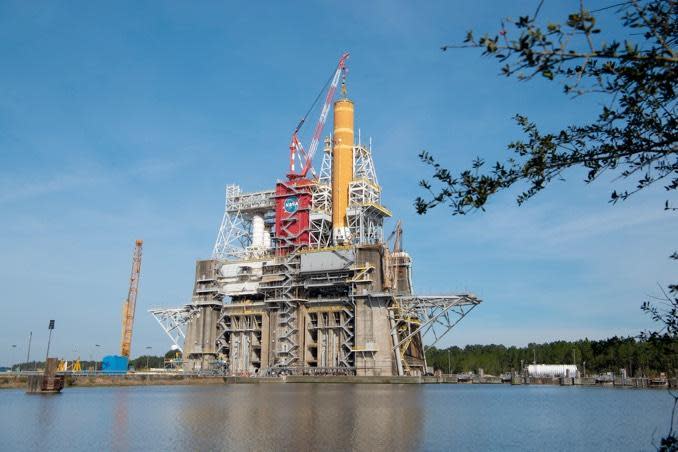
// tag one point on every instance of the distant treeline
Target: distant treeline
(141, 362)
(638, 357)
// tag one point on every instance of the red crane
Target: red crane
(296, 148)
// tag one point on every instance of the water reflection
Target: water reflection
(304, 417)
(120, 439)
(333, 417)
(47, 418)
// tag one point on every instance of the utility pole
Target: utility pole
(147, 348)
(534, 353)
(28, 355)
(95, 356)
(449, 370)
(12, 363)
(574, 356)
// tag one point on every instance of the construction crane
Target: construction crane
(397, 236)
(129, 305)
(296, 148)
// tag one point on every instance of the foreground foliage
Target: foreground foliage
(632, 71)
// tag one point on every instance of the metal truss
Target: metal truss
(235, 232)
(173, 322)
(249, 203)
(325, 176)
(432, 314)
(366, 223)
(321, 213)
(363, 165)
(347, 358)
(288, 348)
(320, 230)
(365, 214)
(322, 198)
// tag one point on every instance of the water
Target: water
(334, 417)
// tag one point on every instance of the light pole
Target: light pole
(49, 341)
(148, 347)
(13, 350)
(96, 353)
(28, 355)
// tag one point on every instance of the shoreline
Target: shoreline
(151, 379)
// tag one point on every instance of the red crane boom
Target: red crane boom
(296, 148)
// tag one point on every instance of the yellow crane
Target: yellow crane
(129, 305)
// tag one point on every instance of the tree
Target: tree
(171, 354)
(147, 362)
(658, 354)
(633, 136)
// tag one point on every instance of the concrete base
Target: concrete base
(328, 379)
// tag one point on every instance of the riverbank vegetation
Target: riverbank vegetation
(640, 357)
(140, 363)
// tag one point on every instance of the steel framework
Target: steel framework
(365, 214)
(435, 314)
(321, 213)
(173, 322)
(235, 232)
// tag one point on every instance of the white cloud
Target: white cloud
(30, 186)
(27, 186)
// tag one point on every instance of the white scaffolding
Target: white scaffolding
(235, 232)
(365, 214)
(173, 322)
(433, 315)
(321, 213)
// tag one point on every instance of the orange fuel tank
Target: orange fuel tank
(342, 166)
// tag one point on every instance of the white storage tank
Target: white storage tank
(552, 370)
(258, 232)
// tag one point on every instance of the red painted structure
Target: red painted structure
(293, 198)
(292, 215)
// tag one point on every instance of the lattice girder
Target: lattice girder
(437, 315)
(173, 322)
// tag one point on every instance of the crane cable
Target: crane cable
(324, 88)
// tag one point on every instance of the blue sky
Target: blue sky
(126, 120)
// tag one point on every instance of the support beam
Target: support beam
(173, 322)
(437, 314)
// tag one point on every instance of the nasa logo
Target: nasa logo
(291, 204)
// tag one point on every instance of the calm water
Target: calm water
(334, 417)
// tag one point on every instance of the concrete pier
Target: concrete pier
(14, 380)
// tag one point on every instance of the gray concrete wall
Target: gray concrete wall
(201, 337)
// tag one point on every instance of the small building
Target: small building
(552, 370)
